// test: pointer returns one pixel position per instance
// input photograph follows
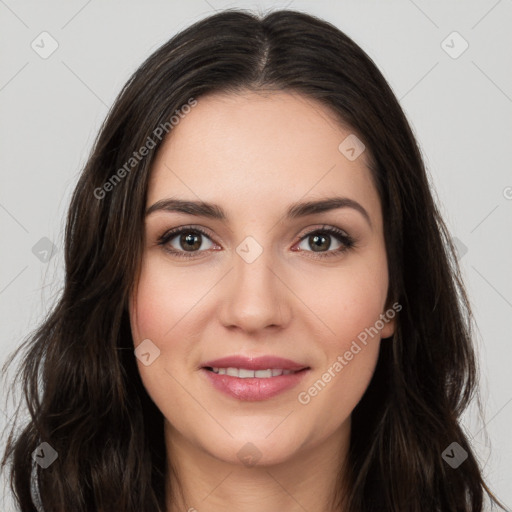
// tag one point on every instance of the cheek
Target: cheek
(154, 311)
(347, 301)
(331, 396)
(340, 381)
(350, 306)
(168, 309)
(151, 311)
(164, 299)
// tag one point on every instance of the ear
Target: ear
(388, 329)
(389, 319)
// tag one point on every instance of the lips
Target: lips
(253, 378)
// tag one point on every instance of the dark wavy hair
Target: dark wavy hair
(78, 373)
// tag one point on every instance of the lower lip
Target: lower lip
(253, 389)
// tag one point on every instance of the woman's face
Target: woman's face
(263, 279)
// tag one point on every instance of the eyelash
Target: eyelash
(347, 241)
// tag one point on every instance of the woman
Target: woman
(201, 357)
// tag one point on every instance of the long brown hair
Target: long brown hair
(80, 381)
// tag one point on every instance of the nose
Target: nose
(255, 296)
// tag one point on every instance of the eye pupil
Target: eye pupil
(320, 242)
(190, 241)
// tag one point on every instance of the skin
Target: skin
(254, 154)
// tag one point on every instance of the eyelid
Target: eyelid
(321, 228)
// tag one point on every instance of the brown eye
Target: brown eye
(181, 241)
(319, 242)
(190, 242)
(328, 241)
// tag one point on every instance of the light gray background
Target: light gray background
(460, 109)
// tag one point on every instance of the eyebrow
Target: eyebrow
(294, 211)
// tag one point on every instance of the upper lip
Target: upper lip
(254, 363)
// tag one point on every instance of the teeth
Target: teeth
(263, 374)
(243, 373)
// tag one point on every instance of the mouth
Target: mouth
(252, 379)
(244, 373)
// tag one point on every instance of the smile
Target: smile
(243, 373)
(253, 378)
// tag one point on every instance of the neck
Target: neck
(199, 482)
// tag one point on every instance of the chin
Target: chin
(253, 450)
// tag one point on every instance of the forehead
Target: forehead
(271, 147)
